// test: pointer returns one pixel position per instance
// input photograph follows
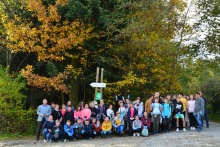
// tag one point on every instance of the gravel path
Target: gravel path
(209, 138)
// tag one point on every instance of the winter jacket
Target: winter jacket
(86, 113)
(106, 126)
(88, 128)
(97, 128)
(94, 112)
(69, 116)
(146, 122)
(57, 115)
(140, 108)
(55, 128)
(77, 114)
(148, 106)
(69, 129)
(136, 124)
(122, 111)
(129, 114)
(49, 125)
(79, 127)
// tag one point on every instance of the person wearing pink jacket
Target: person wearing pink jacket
(78, 113)
(86, 113)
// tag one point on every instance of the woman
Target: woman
(69, 103)
(63, 111)
(56, 113)
(78, 113)
(191, 106)
(146, 121)
(110, 113)
(122, 110)
(130, 117)
(86, 113)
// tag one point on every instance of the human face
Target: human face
(63, 106)
(136, 118)
(57, 107)
(44, 102)
(121, 104)
(157, 94)
(107, 119)
(118, 115)
(137, 101)
(168, 97)
(132, 105)
(79, 121)
(50, 118)
(191, 97)
(156, 100)
(92, 105)
(86, 122)
(178, 99)
(57, 123)
(165, 101)
(68, 123)
(86, 106)
(110, 107)
(93, 120)
(69, 109)
(69, 103)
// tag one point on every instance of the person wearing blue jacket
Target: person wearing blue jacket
(68, 131)
(88, 130)
(166, 113)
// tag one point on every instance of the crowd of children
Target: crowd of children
(133, 118)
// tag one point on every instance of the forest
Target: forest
(51, 49)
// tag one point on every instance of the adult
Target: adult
(132, 112)
(48, 125)
(191, 107)
(86, 113)
(94, 110)
(101, 111)
(69, 115)
(52, 105)
(199, 110)
(148, 105)
(121, 110)
(110, 113)
(56, 113)
(69, 103)
(43, 113)
(139, 106)
(77, 113)
(146, 121)
(206, 112)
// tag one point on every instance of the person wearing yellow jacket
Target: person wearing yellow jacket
(106, 127)
(184, 101)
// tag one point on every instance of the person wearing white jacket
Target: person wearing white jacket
(140, 107)
(122, 110)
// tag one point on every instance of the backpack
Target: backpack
(56, 134)
(144, 132)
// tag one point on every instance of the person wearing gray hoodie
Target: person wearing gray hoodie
(199, 110)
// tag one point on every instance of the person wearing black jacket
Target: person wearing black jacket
(88, 130)
(178, 110)
(94, 111)
(56, 113)
(57, 132)
(69, 115)
(101, 111)
(47, 128)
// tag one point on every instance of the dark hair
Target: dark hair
(78, 106)
(181, 93)
(44, 99)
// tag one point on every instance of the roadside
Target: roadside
(210, 137)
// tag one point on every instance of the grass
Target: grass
(15, 137)
(214, 117)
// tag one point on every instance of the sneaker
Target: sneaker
(177, 129)
(138, 134)
(65, 140)
(51, 141)
(134, 134)
(184, 129)
(45, 140)
(191, 128)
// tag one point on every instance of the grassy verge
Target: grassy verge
(15, 137)
(214, 118)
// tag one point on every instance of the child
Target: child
(178, 108)
(78, 128)
(106, 127)
(77, 112)
(130, 117)
(146, 124)
(87, 133)
(68, 131)
(48, 125)
(97, 129)
(136, 126)
(69, 115)
(122, 110)
(118, 124)
(57, 132)
(86, 113)
(166, 113)
(63, 111)
(157, 108)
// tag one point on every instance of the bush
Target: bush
(19, 122)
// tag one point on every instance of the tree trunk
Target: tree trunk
(73, 94)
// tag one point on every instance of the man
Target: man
(93, 109)
(43, 113)
(185, 106)
(139, 106)
(101, 111)
(148, 105)
(206, 112)
(199, 110)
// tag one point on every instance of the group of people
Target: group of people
(159, 114)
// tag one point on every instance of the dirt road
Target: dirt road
(209, 138)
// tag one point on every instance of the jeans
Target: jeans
(199, 121)
(46, 133)
(137, 130)
(206, 118)
(119, 129)
(106, 132)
